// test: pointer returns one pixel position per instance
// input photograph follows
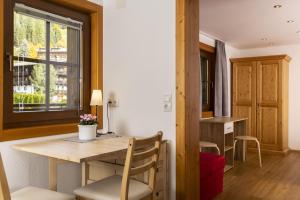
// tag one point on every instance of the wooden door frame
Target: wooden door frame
(187, 100)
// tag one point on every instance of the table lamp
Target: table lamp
(96, 100)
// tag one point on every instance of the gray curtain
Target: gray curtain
(221, 81)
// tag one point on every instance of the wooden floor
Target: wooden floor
(278, 179)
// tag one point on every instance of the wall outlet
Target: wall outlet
(114, 103)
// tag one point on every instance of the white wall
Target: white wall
(139, 67)
(294, 82)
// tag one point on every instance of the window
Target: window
(207, 60)
(47, 73)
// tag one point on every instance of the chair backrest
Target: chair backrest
(4, 189)
(142, 156)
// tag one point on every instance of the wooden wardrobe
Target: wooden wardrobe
(260, 93)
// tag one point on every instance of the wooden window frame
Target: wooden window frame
(209, 51)
(206, 47)
(27, 119)
(96, 15)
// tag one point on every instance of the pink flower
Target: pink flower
(88, 119)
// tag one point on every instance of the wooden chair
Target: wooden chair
(28, 193)
(142, 156)
(205, 144)
(245, 139)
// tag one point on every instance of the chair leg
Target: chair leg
(259, 153)
(219, 153)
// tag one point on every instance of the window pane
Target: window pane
(58, 42)
(204, 79)
(76, 70)
(29, 36)
(60, 85)
(64, 91)
(29, 86)
(204, 69)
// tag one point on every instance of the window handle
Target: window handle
(10, 59)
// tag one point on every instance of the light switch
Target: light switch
(167, 103)
(167, 98)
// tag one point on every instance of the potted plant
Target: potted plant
(87, 127)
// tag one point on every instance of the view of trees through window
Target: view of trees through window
(45, 72)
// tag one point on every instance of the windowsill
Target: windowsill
(207, 114)
(40, 139)
(37, 131)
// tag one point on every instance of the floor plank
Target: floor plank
(278, 179)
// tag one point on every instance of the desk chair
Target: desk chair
(142, 156)
(28, 193)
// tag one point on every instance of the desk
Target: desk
(222, 130)
(89, 154)
(59, 151)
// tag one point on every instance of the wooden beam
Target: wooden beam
(187, 100)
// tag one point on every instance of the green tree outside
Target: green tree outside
(29, 37)
(38, 79)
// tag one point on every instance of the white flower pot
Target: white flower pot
(87, 132)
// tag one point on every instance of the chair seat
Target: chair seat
(110, 189)
(33, 193)
(245, 137)
(207, 144)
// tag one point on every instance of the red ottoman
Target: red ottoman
(211, 175)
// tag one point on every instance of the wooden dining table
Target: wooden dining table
(59, 151)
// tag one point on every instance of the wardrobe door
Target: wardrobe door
(269, 112)
(244, 93)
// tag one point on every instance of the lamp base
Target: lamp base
(100, 133)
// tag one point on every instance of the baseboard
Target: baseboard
(265, 151)
(294, 151)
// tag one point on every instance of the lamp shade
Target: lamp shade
(96, 99)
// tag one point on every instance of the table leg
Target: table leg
(53, 174)
(84, 173)
(244, 150)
